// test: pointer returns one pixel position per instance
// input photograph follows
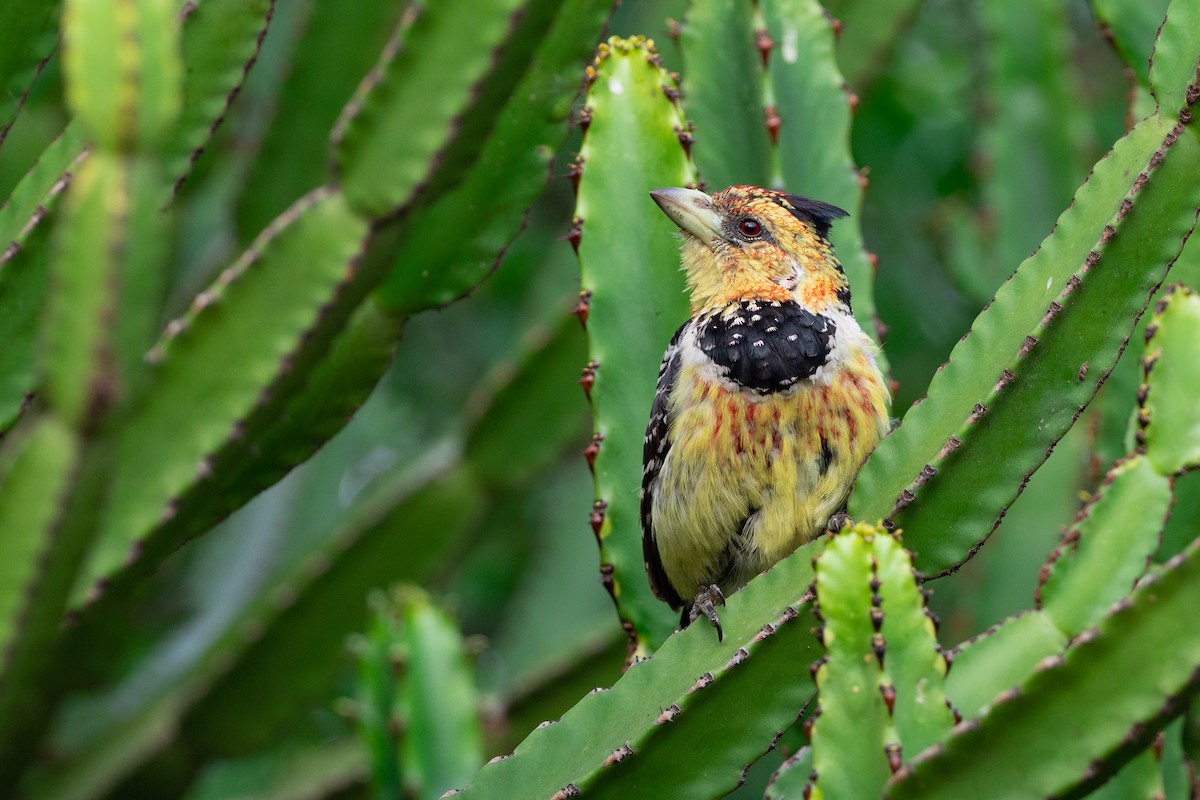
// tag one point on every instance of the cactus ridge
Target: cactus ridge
(144, 522)
(692, 727)
(1117, 729)
(1007, 394)
(880, 689)
(378, 181)
(627, 260)
(212, 84)
(507, 173)
(1165, 428)
(36, 194)
(853, 714)
(30, 42)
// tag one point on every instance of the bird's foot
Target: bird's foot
(839, 521)
(705, 604)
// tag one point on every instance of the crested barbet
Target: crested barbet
(769, 397)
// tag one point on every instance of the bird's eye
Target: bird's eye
(749, 228)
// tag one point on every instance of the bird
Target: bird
(769, 396)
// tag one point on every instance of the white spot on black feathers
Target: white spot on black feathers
(798, 345)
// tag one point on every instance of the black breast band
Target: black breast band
(767, 346)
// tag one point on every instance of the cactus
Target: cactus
(1040, 298)
(417, 707)
(630, 94)
(225, 418)
(880, 684)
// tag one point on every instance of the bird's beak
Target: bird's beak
(692, 211)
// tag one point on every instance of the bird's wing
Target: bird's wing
(657, 444)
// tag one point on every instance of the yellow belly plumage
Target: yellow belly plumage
(751, 477)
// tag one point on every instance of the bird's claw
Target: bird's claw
(705, 604)
(839, 521)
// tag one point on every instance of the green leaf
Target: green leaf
(38, 192)
(282, 646)
(634, 295)
(302, 619)
(1169, 417)
(1138, 779)
(309, 772)
(869, 33)
(1052, 737)
(1033, 91)
(101, 769)
(24, 285)
(335, 387)
(380, 675)
(74, 470)
(1176, 782)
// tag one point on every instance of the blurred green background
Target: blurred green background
(975, 122)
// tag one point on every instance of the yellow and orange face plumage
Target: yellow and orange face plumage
(769, 398)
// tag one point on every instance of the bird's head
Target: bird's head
(747, 243)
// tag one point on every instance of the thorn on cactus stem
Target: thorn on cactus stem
(596, 520)
(575, 235)
(585, 117)
(686, 139)
(879, 647)
(673, 94)
(588, 380)
(582, 306)
(837, 26)
(592, 450)
(773, 122)
(889, 696)
(764, 43)
(575, 172)
(892, 751)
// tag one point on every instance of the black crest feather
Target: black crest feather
(820, 214)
